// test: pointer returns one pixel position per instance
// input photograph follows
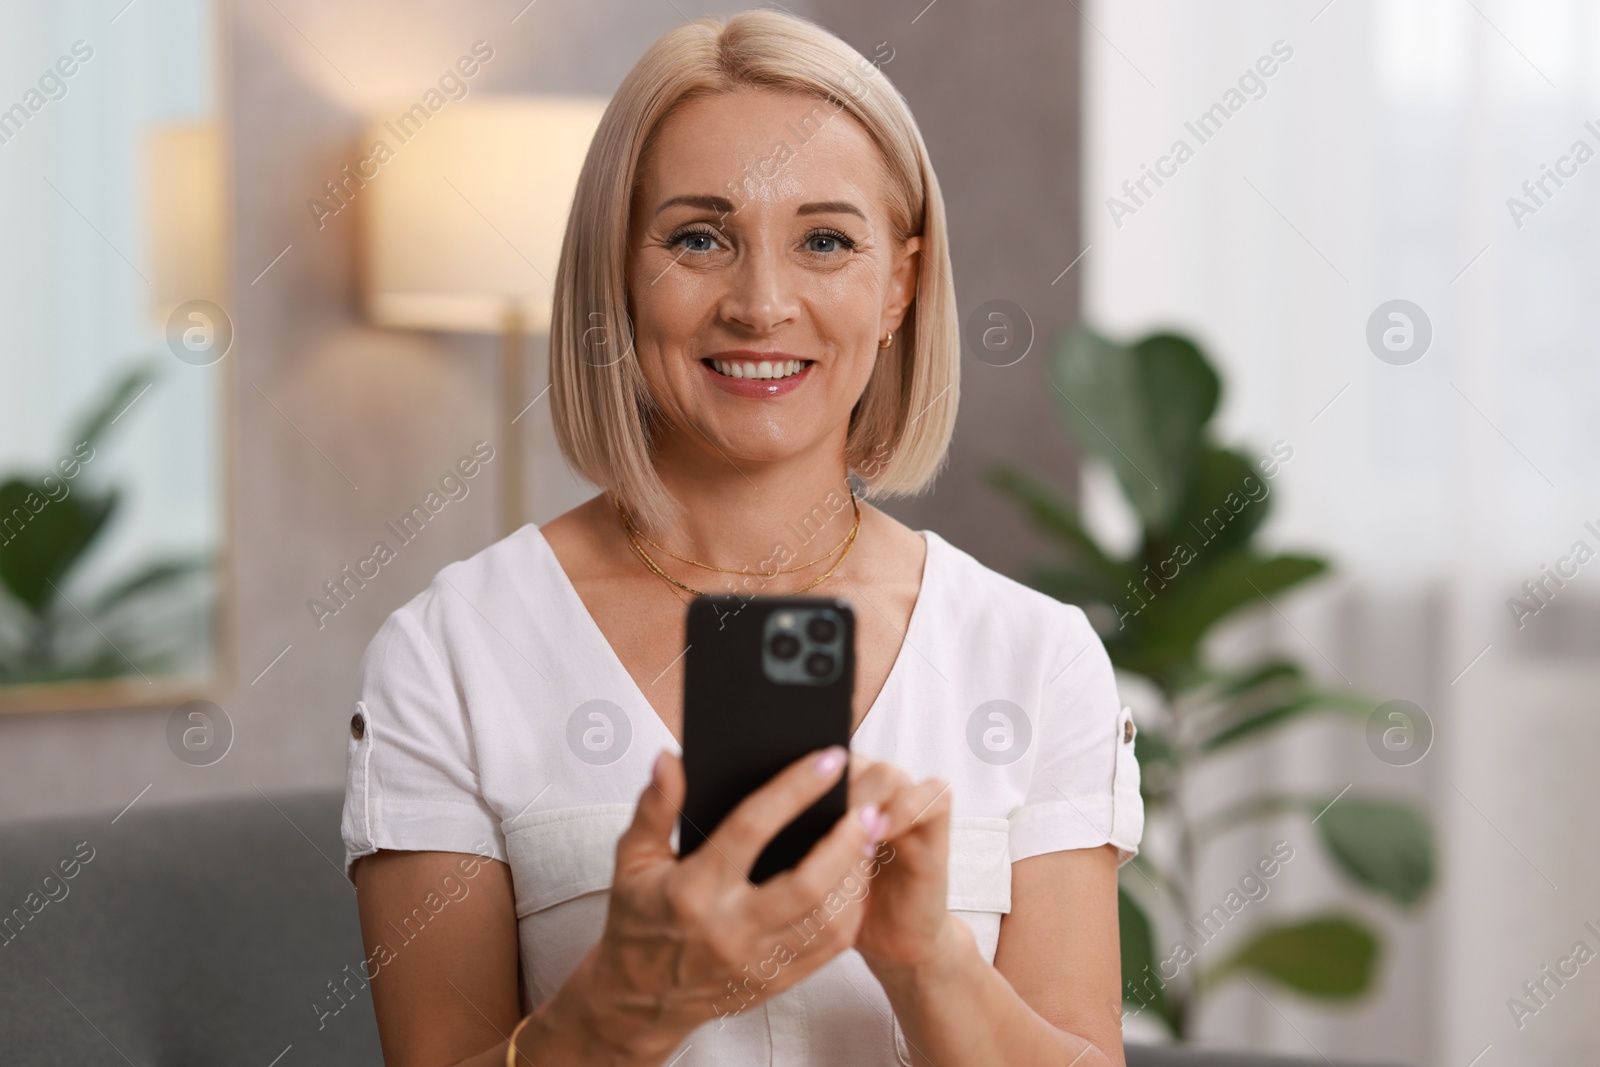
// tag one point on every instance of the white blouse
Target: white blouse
(493, 717)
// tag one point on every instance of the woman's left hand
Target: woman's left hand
(906, 913)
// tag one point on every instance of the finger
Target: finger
(877, 784)
(925, 805)
(859, 765)
(650, 833)
(745, 831)
(842, 852)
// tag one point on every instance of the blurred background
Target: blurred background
(1332, 260)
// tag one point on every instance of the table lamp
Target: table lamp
(185, 204)
(464, 213)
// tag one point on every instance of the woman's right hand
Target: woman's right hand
(687, 941)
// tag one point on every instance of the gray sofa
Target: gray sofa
(208, 935)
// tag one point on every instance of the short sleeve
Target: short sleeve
(411, 780)
(1085, 786)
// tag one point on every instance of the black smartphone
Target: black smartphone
(766, 680)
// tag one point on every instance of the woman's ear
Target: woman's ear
(902, 288)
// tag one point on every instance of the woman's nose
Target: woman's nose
(761, 294)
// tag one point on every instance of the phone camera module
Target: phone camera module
(804, 645)
(819, 665)
(822, 629)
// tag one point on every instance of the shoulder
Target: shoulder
(980, 606)
(466, 603)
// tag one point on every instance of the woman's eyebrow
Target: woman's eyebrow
(830, 207)
(724, 206)
(708, 203)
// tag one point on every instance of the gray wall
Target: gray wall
(995, 90)
(370, 419)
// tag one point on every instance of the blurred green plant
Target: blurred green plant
(1145, 409)
(50, 523)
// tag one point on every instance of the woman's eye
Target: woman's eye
(826, 243)
(696, 241)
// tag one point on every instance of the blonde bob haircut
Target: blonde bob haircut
(900, 429)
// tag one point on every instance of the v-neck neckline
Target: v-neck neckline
(627, 680)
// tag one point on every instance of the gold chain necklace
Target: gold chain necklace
(644, 557)
(627, 523)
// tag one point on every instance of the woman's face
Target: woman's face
(762, 273)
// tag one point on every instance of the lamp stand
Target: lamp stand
(513, 375)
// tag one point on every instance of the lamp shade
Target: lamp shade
(185, 193)
(465, 209)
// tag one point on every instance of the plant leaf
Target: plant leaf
(1259, 806)
(47, 539)
(1226, 503)
(1270, 671)
(1384, 845)
(1140, 985)
(1202, 594)
(1249, 723)
(116, 399)
(1141, 408)
(151, 577)
(1153, 747)
(1330, 956)
(1054, 516)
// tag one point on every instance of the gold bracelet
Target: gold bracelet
(511, 1045)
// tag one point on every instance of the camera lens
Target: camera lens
(822, 629)
(785, 646)
(819, 664)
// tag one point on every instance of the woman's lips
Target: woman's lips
(757, 387)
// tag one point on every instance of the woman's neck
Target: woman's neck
(754, 515)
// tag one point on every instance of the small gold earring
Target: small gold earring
(888, 339)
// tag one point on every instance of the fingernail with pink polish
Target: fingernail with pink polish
(829, 762)
(875, 822)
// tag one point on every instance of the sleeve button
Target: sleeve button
(1127, 731)
(358, 726)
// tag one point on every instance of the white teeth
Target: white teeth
(765, 369)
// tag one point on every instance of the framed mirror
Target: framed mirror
(114, 353)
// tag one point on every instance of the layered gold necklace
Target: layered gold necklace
(842, 549)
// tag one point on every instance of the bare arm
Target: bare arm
(1053, 993)
(448, 981)
(1060, 947)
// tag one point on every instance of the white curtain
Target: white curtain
(1384, 158)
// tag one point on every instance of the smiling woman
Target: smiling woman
(884, 200)
(753, 334)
